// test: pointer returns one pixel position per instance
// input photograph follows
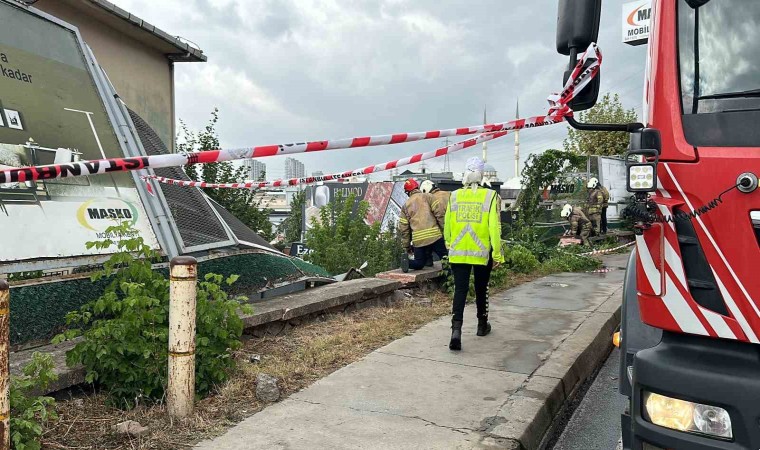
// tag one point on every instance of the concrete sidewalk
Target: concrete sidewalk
(500, 391)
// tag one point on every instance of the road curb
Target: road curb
(552, 386)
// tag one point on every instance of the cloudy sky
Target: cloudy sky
(292, 70)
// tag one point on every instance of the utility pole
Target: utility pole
(517, 142)
(485, 144)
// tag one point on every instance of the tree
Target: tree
(291, 227)
(242, 203)
(608, 110)
(540, 171)
(347, 241)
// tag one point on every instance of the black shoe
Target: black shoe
(405, 263)
(483, 326)
(456, 335)
(429, 262)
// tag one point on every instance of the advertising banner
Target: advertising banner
(378, 196)
(636, 17)
(385, 200)
(317, 197)
(51, 113)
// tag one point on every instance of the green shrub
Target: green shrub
(30, 412)
(519, 259)
(565, 261)
(341, 239)
(126, 329)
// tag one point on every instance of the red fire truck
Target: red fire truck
(690, 360)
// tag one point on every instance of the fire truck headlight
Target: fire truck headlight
(682, 415)
(713, 421)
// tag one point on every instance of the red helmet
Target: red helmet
(410, 185)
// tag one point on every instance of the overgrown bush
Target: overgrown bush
(565, 261)
(126, 329)
(519, 259)
(341, 239)
(29, 411)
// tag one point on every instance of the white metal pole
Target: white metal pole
(182, 290)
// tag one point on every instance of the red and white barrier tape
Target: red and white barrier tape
(585, 70)
(337, 176)
(608, 250)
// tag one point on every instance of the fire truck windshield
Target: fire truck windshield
(719, 53)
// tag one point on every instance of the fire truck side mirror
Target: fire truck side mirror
(586, 98)
(577, 25)
(577, 28)
(646, 138)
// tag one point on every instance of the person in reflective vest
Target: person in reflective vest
(440, 202)
(420, 228)
(472, 229)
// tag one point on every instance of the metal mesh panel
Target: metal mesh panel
(195, 219)
(241, 231)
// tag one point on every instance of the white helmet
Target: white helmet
(566, 210)
(592, 183)
(427, 186)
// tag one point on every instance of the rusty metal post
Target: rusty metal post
(5, 370)
(182, 289)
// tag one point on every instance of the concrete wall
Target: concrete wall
(142, 75)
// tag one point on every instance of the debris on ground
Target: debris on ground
(266, 388)
(130, 427)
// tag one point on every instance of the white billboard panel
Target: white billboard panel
(52, 113)
(636, 18)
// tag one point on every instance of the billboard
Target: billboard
(385, 201)
(51, 112)
(636, 18)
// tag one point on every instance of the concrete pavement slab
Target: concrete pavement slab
(568, 291)
(450, 395)
(520, 340)
(294, 424)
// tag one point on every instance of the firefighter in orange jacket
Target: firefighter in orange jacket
(420, 227)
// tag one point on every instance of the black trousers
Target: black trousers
(603, 224)
(422, 254)
(462, 286)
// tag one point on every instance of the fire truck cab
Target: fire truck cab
(690, 361)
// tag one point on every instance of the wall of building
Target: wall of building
(142, 75)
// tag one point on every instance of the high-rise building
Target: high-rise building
(318, 173)
(294, 168)
(255, 170)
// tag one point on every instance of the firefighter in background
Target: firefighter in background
(605, 204)
(472, 230)
(595, 204)
(440, 201)
(420, 228)
(579, 224)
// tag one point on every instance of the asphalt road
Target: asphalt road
(595, 424)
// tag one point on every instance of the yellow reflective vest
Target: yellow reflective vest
(472, 227)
